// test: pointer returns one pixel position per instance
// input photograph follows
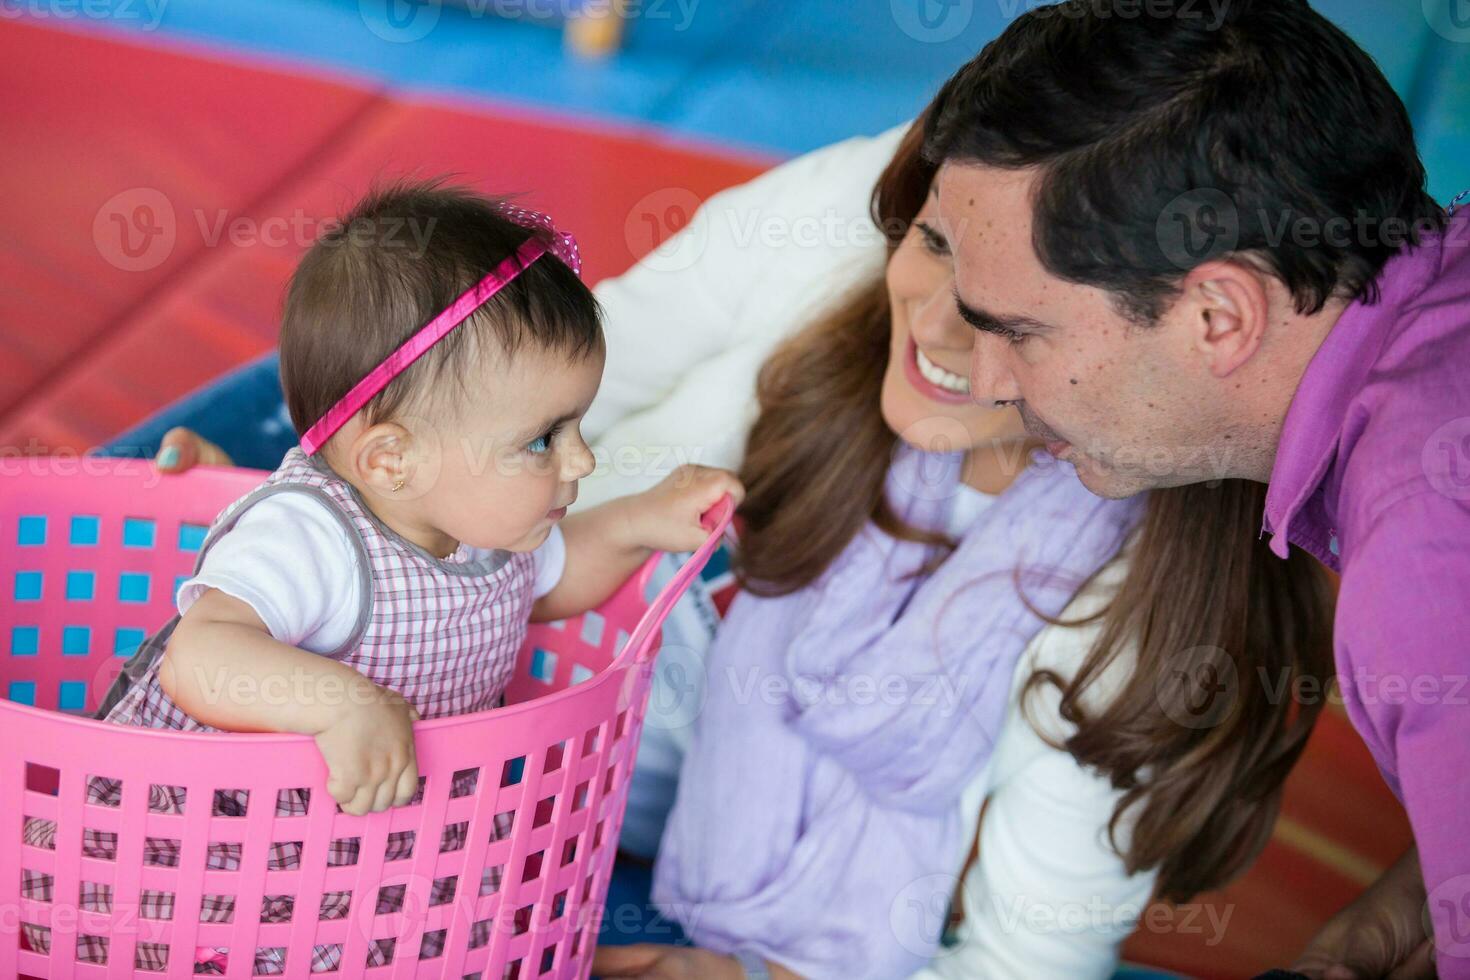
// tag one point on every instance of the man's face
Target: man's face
(1126, 404)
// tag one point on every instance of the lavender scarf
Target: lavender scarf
(818, 813)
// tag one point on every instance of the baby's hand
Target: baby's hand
(369, 753)
(666, 518)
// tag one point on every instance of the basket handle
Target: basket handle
(717, 519)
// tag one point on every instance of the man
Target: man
(1198, 248)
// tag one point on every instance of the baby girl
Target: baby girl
(438, 351)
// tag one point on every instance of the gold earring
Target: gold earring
(397, 486)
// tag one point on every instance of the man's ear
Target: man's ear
(1228, 311)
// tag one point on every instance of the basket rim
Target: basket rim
(614, 673)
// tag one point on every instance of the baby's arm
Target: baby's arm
(607, 544)
(223, 667)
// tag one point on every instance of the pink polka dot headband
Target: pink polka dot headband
(561, 244)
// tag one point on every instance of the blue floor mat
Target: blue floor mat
(777, 77)
(631, 917)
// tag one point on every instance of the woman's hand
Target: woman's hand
(647, 961)
(666, 518)
(182, 449)
(368, 748)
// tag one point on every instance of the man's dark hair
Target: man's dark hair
(1164, 141)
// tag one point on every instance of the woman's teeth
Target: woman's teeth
(936, 375)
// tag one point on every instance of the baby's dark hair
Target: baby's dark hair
(398, 259)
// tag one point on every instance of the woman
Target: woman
(1095, 735)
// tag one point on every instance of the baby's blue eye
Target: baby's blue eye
(542, 443)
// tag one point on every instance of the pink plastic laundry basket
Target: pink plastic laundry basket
(91, 552)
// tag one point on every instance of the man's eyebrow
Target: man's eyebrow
(992, 323)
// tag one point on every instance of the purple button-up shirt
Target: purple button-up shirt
(1373, 477)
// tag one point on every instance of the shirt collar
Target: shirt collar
(1335, 375)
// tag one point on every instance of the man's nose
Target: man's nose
(992, 382)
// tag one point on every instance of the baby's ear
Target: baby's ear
(380, 457)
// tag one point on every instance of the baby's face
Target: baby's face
(509, 467)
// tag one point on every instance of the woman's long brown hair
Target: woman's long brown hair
(1205, 609)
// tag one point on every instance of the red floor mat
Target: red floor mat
(101, 141)
(116, 305)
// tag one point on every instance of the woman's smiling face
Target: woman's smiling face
(926, 391)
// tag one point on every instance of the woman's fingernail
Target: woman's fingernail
(169, 457)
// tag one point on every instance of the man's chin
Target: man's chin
(1104, 482)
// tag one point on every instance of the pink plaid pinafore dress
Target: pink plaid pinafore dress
(444, 633)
